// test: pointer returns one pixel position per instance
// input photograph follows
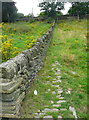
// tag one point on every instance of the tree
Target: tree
(19, 15)
(51, 9)
(30, 15)
(42, 14)
(9, 11)
(79, 9)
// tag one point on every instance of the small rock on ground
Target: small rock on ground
(54, 110)
(61, 97)
(57, 73)
(58, 69)
(60, 91)
(68, 92)
(58, 96)
(58, 77)
(48, 116)
(54, 79)
(49, 90)
(50, 110)
(55, 86)
(37, 117)
(51, 102)
(53, 92)
(63, 109)
(58, 81)
(60, 101)
(48, 81)
(53, 65)
(56, 105)
(59, 117)
(46, 110)
(41, 114)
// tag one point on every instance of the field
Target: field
(68, 49)
(20, 36)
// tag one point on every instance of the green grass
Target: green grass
(22, 34)
(68, 47)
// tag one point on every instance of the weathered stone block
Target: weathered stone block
(14, 87)
(8, 69)
(23, 88)
(11, 96)
(7, 85)
(14, 112)
(2, 80)
(21, 61)
(33, 51)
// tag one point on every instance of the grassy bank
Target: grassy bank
(68, 47)
(20, 36)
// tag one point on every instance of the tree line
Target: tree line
(49, 9)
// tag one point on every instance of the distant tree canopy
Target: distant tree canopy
(41, 14)
(51, 9)
(9, 12)
(79, 9)
(30, 15)
(19, 15)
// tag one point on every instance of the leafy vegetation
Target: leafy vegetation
(68, 47)
(20, 36)
(9, 11)
(79, 9)
(51, 9)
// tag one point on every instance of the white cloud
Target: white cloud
(67, 7)
(26, 6)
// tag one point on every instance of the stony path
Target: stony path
(61, 88)
(57, 106)
(58, 94)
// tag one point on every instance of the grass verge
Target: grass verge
(68, 47)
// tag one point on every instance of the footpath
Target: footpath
(57, 93)
(59, 90)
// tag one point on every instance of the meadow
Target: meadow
(19, 36)
(68, 47)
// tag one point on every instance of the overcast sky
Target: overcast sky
(26, 6)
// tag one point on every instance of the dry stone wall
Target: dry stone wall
(16, 75)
